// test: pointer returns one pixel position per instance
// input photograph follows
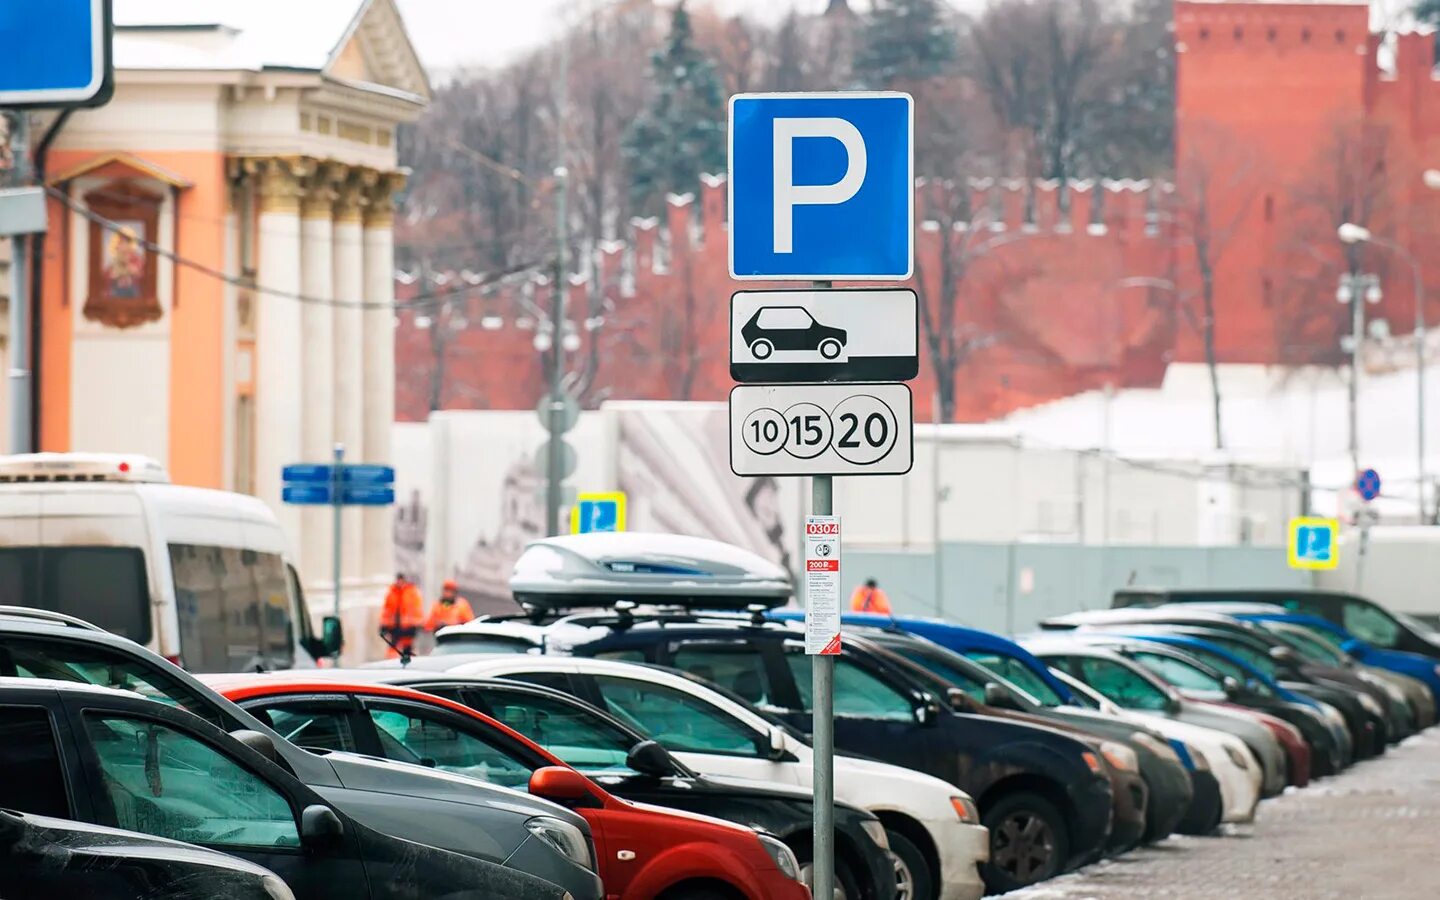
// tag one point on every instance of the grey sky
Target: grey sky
(456, 33)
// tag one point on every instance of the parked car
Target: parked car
(1364, 618)
(490, 823)
(1375, 713)
(933, 827)
(112, 758)
(1170, 787)
(646, 851)
(1323, 727)
(42, 858)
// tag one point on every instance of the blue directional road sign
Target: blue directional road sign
(822, 186)
(55, 53)
(1367, 485)
(360, 484)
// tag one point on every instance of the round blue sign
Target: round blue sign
(1367, 484)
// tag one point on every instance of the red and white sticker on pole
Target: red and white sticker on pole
(822, 585)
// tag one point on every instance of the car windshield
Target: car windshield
(953, 668)
(1018, 672)
(1310, 647)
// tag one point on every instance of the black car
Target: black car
(112, 758)
(1048, 786)
(42, 858)
(1362, 617)
(1169, 786)
(790, 328)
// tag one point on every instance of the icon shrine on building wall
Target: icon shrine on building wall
(122, 272)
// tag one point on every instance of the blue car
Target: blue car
(1414, 665)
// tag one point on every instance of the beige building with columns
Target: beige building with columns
(255, 145)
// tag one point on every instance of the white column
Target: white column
(317, 361)
(349, 352)
(277, 335)
(379, 349)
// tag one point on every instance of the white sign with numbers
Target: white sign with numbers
(821, 429)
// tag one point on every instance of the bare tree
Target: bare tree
(1215, 187)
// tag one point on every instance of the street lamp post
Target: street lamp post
(1356, 234)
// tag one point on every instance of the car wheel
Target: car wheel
(1028, 842)
(847, 887)
(830, 348)
(913, 878)
(762, 349)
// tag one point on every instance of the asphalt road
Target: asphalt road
(1368, 833)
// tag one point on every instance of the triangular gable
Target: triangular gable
(121, 165)
(377, 51)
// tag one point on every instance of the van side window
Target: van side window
(1372, 625)
(72, 580)
(233, 608)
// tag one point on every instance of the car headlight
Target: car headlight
(1157, 747)
(1372, 706)
(1237, 756)
(1197, 756)
(1333, 716)
(276, 889)
(876, 829)
(966, 809)
(781, 855)
(564, 837)
(1120, 756)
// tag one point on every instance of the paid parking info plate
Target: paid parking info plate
(821, 429)
(783, 337)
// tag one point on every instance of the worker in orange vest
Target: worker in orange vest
(868, 598)
(401, 617)
(450, 609)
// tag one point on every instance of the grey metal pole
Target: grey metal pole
(20, 438)
(336, 488)
(822, 675)
(1357, 327)
(554, 459)
(823, 731)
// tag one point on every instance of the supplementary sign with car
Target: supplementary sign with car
(842, 335)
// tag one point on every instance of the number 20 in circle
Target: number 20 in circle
(865, 429)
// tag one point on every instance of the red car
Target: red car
(645, 851)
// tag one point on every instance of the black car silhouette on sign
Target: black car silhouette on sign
(790, 328)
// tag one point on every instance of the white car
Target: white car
(930, 823)
(1231, 761)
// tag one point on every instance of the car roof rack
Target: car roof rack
(45, 615)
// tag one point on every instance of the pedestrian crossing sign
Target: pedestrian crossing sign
(598, 512)
(1314, 543)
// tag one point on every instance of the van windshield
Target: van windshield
(233, 608)
(103, 585)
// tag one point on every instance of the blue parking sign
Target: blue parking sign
(55, 53)
(1314, 543)
(822, 186)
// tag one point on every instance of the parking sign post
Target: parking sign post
(822, 188)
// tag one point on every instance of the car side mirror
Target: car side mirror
(958, 700)
(1231, 686)
(559, 784)
(779, 747)
(649, 758)
(260, 743)
(1285, 656)
(1173, 706)
(997, 695)
(319, 825)
(332, 636)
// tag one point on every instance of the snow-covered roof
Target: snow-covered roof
(254, 34)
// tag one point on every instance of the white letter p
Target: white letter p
(788, 195)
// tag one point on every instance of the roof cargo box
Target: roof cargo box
(584, 571)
